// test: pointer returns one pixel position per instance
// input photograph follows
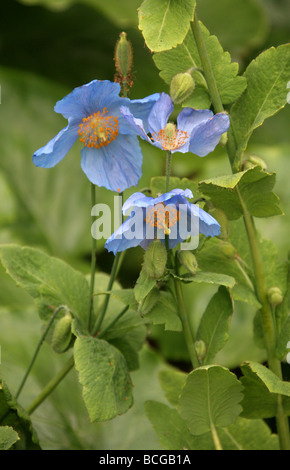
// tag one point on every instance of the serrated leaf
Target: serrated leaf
(215, 323)
(104, 376)
(185, 56)
(165, 24)
(248, 434)
(12, 414)
(50, 281)
(210, 398)
(254, 187)
(8, 437)
(143, 285)
(265, 95)
(155, 258)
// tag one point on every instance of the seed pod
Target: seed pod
(62, 334)
(181, 87)
(275, 296)
(123, 55)
(155, 259)
(200, 348)
(254, 160)
(188, 260)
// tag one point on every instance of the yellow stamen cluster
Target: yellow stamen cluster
(98, 129)
(170, 138)
(162, 217)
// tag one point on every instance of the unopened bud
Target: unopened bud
(181, 87)
(228, 250)
(254, 160)
(224, 139)
(200, 348)
(188, 260)
(123, 55)
(221, 218)
(275, 296)
(62, 334)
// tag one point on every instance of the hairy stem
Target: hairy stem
(93, 263)
(50, 386)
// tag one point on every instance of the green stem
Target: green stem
(38, 349)
(266, 314)
(215, 438)
(51, 386)
(112, 279)
(168, 170)
(113, 322)
(93, 263)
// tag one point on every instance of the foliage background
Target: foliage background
(48, 47)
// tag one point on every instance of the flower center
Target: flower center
(162, 217)
(99, 129)
(170, 138)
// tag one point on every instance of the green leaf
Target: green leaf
(214, 278)
(172, 382)
(210, 398)
(283, 341)
(165, 24)
(171, 429)
(265, 95)
(248, 434)
(258, 401)
(50, 281)
(185, 57)
(157, 185)
(155, 259)
(8, 437)
(143, 285)
(104, 376)
(13, 415)
(255, 188)
(215, 323)
(165, 312)
(270, 380)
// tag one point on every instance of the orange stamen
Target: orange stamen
(98, 129)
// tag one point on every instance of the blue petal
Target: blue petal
(206, 136)
(117, 166)
(142, 108)
(187, 120)
(160, 113)
(140, 200)
(131, 201)
(136, 125)
(119, 240)
(207, 224)
(53, 152)
(88, 99)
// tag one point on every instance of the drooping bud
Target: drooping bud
(200, 348)
(228, 250)
(254, 160)
(123, 61)
(62, 334)
(181, 87)
(221, 218)
(188, 260)
(275, 296)
(155, 258)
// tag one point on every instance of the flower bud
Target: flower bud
(181, 87)
(188, 260)
(200, 348)
(221, 218)
(275, 296)
(228, 250)
(123, 55)
(254, 160)
(62, 334)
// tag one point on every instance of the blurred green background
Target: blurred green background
(48, 47)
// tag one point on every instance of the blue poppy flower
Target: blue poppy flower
(197, 130)
(111, 156)
(170, 214)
